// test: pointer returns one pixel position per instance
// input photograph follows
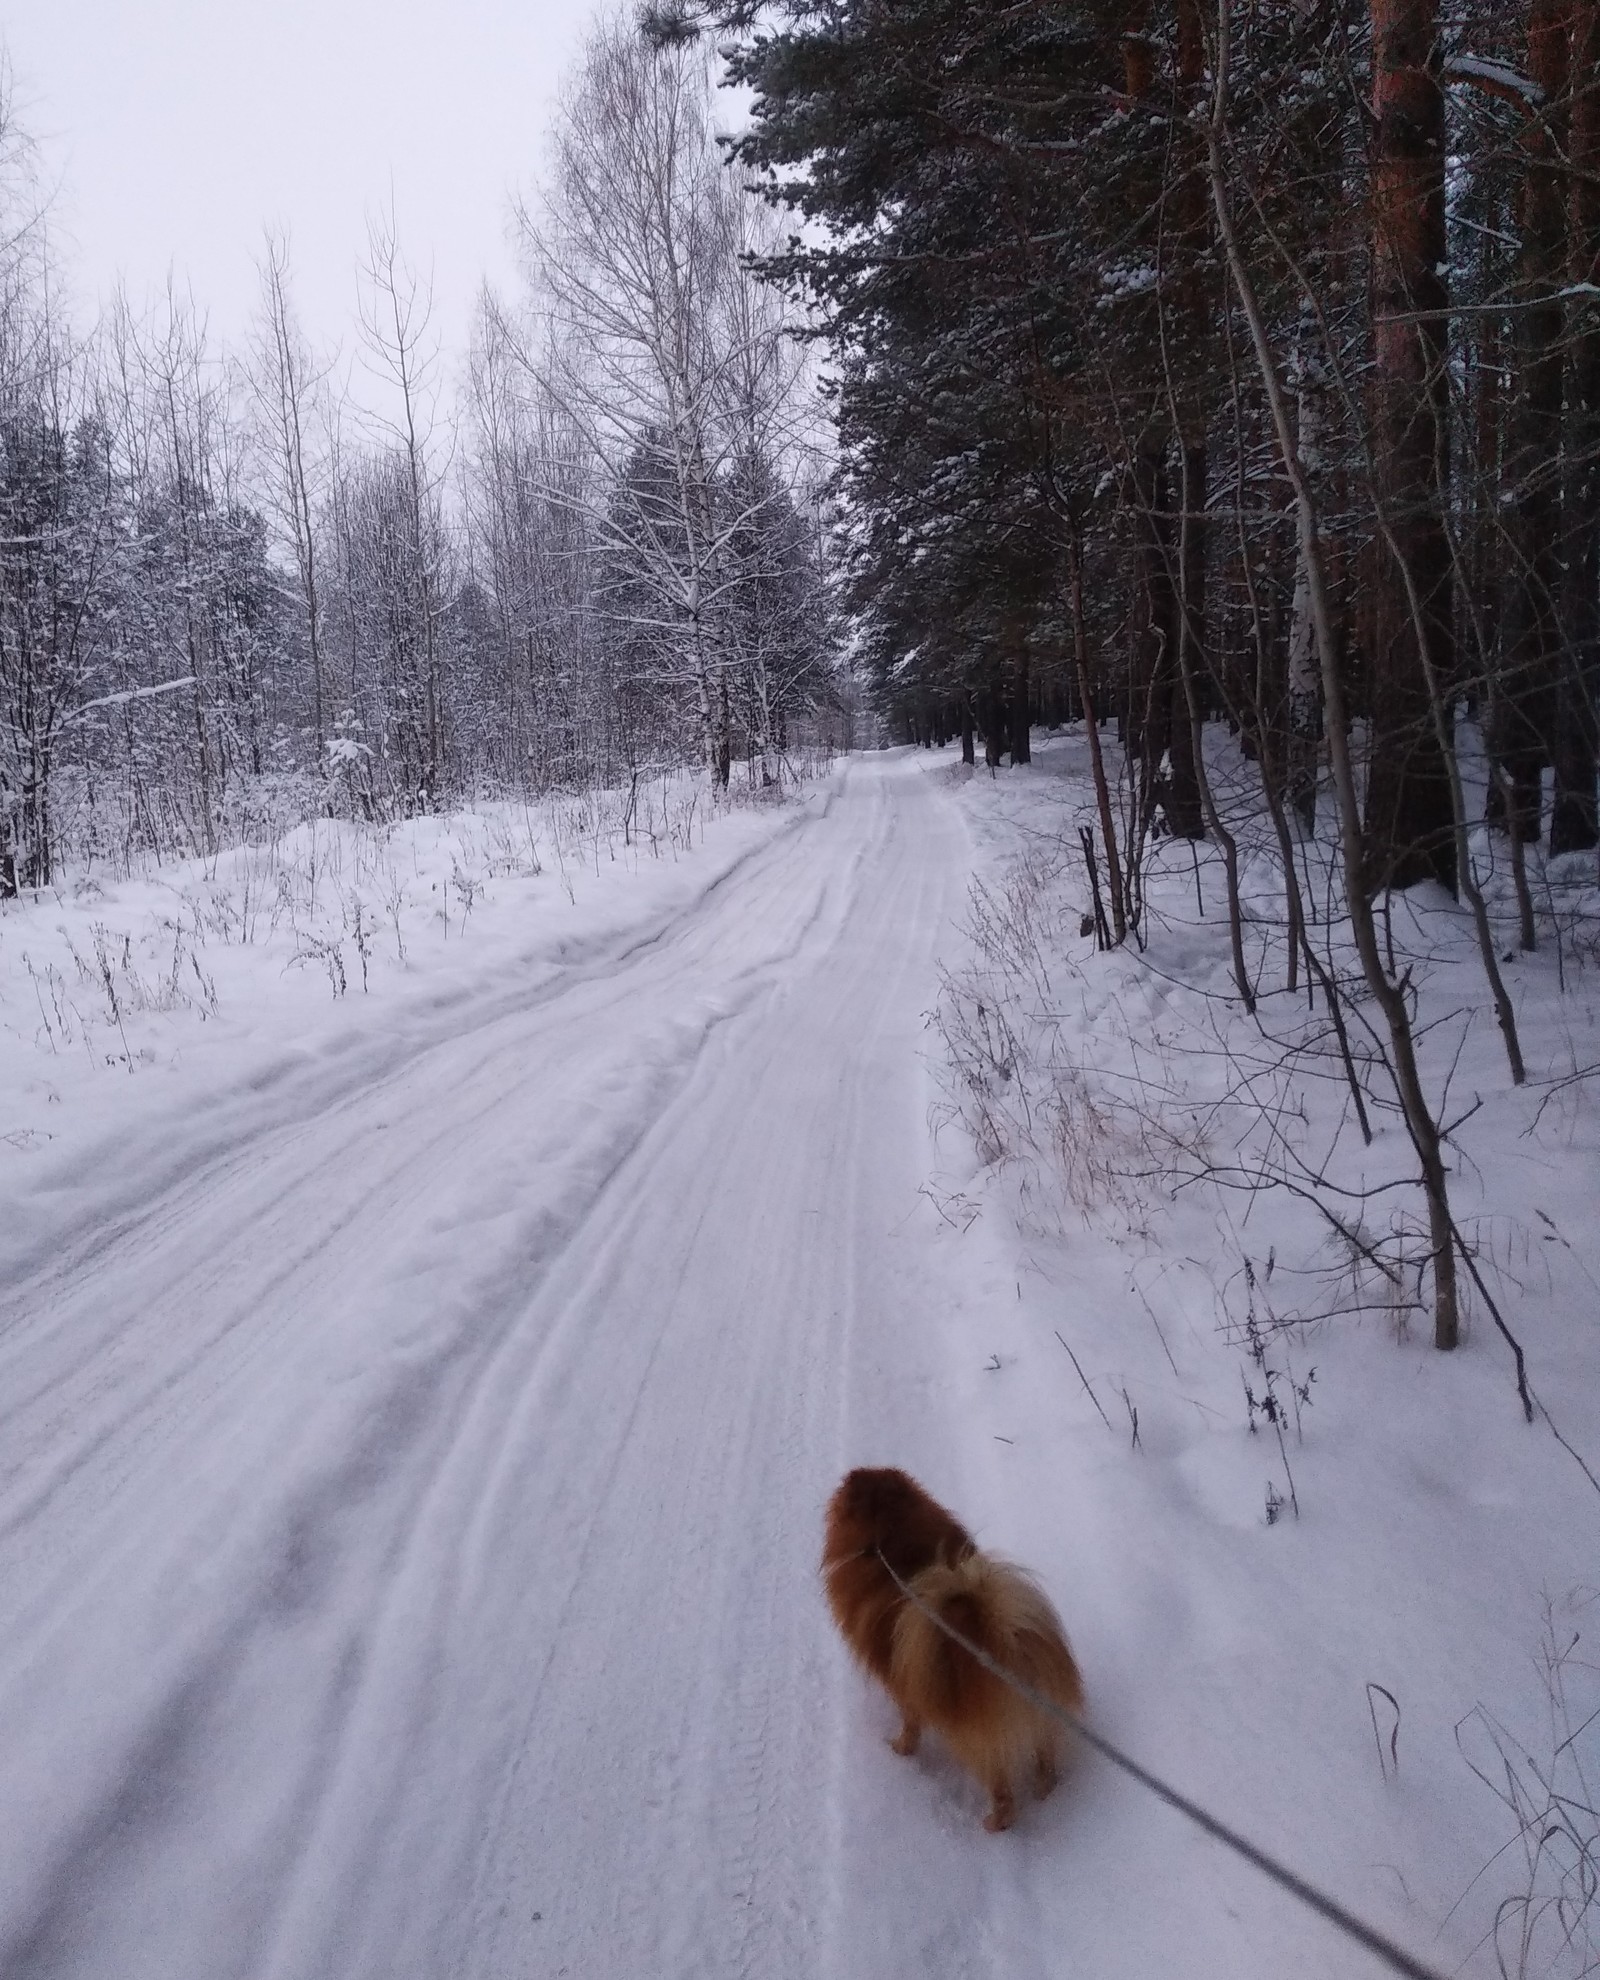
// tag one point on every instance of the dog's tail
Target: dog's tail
(1003, 1611)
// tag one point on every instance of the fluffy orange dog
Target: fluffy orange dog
(878, 1516)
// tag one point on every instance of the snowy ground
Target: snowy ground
(416, 1406)
(1441, 1545)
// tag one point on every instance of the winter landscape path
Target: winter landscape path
(409, 1510)
(416, 1411)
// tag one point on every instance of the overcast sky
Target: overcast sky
(176, 128)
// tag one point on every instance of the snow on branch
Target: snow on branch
(1498, 78)
(127, 694)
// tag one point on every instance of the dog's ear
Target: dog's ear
(855, 1504)
(877, 1498)
(842, 1515)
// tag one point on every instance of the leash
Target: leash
(1394, 1956)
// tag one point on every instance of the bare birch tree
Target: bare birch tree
(396, 326)
(668, 365)
(285, 382)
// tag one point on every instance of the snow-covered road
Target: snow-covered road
(416, 1411)
(409, 1499)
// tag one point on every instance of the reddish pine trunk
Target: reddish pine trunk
(1409, 827)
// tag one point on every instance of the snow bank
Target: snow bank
(149, 1020)
(1322, 1577)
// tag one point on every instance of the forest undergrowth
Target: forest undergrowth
(302, 902)
(1108, 1081)
(1250, 1175)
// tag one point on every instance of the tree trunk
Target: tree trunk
(1185, 808)
(1155, 682)
(1304, 687)
(1488, 445)
(1021, 723)
(1195, 320)
(1523, 690)
(1102, 790)
(724, 765)
(1574, 824)
(990, 720)
(1409, 830)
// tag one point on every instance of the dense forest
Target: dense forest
(1236, 362)
(228, 591)
(1234, 367)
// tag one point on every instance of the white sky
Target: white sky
(176, 128)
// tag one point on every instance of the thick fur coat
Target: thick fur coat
(879, 1516)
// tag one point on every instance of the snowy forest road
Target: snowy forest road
(409, 1514)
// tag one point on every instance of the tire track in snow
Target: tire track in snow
(400, 1181)
(295, 1090)
(497, 1546)
(175, 1425)
(595, 1288)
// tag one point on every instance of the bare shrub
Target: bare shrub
(1021, 1096)
(328, 952)
(125, 986)
(1548, 1923)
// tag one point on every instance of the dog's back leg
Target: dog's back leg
(1044, 1765)
(1003, 1805)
